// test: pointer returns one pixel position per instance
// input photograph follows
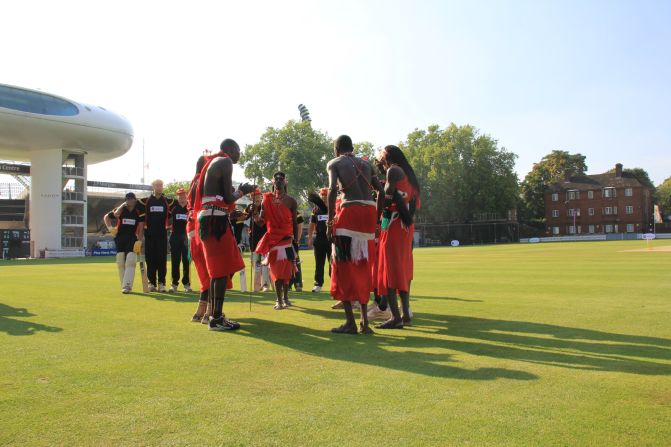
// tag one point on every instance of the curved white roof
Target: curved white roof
(34, 120)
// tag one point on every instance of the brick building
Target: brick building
(615, 202)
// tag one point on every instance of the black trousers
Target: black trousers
(322, 252)
(156, 253)
(297, 279)
(179, 254)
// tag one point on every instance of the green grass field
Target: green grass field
(521, 345)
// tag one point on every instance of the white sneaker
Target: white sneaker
(161, 288)
(317, 289)
(264, 289)
(125, 290)
(376, 314)
(152, 288)
(173, 288)
(187, 288)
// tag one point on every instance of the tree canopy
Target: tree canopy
(664, 197)
(296, 149)
(463, 173)
(549, 170)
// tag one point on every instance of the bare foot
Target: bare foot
(366, 330)
(345, 329)
(391, 324)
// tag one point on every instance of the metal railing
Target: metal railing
(73, 195)
(73, 220)
(72, 171)
(11, 191)
(72, 242)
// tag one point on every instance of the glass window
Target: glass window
(573, 195)
(629, 209)
(590, 211)
(555, 230)
(608, 228)
(555, 213)
(630, 228)
(609, 192)
(555, 197)
(628, 192)
(590, 194)
(607, 211)
(591, 229)
(35, 102)
(571, 229)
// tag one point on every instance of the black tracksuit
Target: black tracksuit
(157, 213)
(179, 244)
(321, 244)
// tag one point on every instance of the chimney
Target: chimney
(618, 170)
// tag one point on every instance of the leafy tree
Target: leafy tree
(664, 197)
(549, 170)
(365, 149)
(169, 189)
(640, 174)
(462, 173)
(296, 149)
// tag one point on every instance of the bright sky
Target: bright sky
(583, 76)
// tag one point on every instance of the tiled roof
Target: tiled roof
(597, 181)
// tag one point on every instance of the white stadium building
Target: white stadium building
(59, 138)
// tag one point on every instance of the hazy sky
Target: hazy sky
(584, 76)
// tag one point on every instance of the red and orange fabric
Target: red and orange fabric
(277, 244)
(220, 250)
(395, 263)
(354, 252)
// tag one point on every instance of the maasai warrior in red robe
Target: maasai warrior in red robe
(395, 264)
(278, 210)
(351, 227)
(203, 311)
(214, 201)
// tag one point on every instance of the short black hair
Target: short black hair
(228, 144)
(279, 173)
(343, 144)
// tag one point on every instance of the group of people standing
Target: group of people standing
(151, 217)
(361, 223)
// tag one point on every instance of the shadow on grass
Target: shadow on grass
(324, 296)
(407, 354)
(178, 297)
(560, 346)
(546, 344)
(12, 326)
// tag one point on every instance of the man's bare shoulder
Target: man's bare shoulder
(222, 162)
(333, 162)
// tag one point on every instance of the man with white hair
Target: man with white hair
(157, 212)
(127, 232)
